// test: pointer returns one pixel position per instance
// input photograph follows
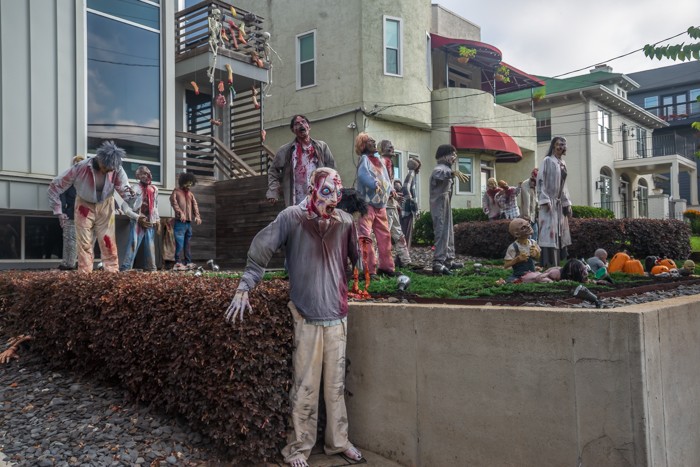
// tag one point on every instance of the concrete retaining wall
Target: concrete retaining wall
(492, 386)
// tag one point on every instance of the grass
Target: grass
(695, 243)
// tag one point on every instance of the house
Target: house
(394, 70)
(672, 93)
(612, 155)
(77, 73)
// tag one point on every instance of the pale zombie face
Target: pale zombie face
(301, 128)
(371, 146)
(492, 184)
(520, 228)
(325, 195)
(560, 148)
(144, 176)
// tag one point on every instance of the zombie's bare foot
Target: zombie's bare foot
(299, 462)
(353, 453)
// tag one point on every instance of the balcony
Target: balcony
(661, 145)
(677, 114)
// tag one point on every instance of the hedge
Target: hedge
(639, 237)
(163, 337)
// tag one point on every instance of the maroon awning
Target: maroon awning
(488, 58)
(469, 138)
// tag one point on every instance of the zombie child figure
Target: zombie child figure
(393, 205)
(375, 186)
(507, 200)
(489, 203)
(143, 212)
(95, 180)
(70, 253)
(186, 211)
(523, 252)
(319, 241)
(441, 182)
(598, 260)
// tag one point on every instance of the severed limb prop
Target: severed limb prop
(13, 344)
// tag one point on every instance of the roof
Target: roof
(668, 76)
(486, 139)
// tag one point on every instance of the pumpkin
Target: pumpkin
(659, 269)
(617, 263)
(633, 266)
(669, 263)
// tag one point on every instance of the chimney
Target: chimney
(602, 67)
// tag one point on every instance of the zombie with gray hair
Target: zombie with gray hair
(95, 180)
(143, 212)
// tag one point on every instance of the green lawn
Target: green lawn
(695, 243)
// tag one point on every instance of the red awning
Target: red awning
(488, 140)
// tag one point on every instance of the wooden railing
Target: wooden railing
(207, 156)
(192, 31)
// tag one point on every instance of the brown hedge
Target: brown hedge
(640, 237)
(163, 337)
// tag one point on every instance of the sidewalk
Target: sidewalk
(372, 460)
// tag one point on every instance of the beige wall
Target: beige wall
(449, 24)
(485, 386)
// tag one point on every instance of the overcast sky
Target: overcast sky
(552, 37)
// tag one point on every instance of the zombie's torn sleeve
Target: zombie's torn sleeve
(121, 184)
(59, 185)
(264, 245)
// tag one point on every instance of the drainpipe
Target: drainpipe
(589, 159)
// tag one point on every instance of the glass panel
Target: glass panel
(10, 241)
(391, 33)
(124, 88)
(130, 169)
(465, 166)
(43, 238)
(130, 10)
(694, 104)
(392, 61)
(306, 48)
(307, 74)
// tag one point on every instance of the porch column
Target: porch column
(693, 187)
(675, 187)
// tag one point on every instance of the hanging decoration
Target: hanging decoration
(195, 87)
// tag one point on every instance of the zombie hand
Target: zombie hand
(566, 210)
(11, 351)
(197, 221)
(62, 218)
(144, 223)
(239, 304)
(182, 218)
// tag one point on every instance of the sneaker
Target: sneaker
(440, 269)
(179, 267)
(456, 265)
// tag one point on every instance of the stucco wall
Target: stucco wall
(485, 386)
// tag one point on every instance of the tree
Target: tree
(680, 52)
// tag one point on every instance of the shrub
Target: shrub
(664, 238)
(587, 235)
(588, 212)
(483, 239)
(163, 337)
(423, 229)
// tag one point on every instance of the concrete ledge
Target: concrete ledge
(494, 386)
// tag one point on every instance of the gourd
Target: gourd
(617, 263)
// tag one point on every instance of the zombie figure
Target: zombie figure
(555, 204)
(598, 260)
(215, 41)
(527, 201)
(288, 175)
(507, 200)
(95, 180)
(441, 183)
(143, 212)
(393, 206)
(186, 211)
(409, 209)
(489, 203)
(374, 185)
(320, 239)
(70, 253)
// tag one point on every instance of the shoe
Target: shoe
(456, 265)
(441, 269)
(63, 267)
(373, 277)
(179, 267)
(385, 272)
(191, 266)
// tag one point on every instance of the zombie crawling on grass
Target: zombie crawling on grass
(95, 181)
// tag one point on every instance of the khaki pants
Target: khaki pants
(317, 348)
(97, 218)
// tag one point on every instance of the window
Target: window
(694, 106)
(43, 238)
(465, 165)
(398, 161)
(604, 128)
(605, 185)
(124, 80)
(11, 237)
(544, 125)
(429, 62)
(621, 92)
(306, 60)
(392, 46)
(642, 142)
(458, 78)
(652, 104)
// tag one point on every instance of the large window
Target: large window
(642, 142)
(652, 104)
(604, 126)
(544, 125)
(10, 237)
(123, 80)
(392, 46)
(29, 237)
(306, 59)
(694, 104)
(465, 165)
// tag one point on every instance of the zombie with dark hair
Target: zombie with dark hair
(288, 175)
(441, 182)
(143, 212)
(95, 181)
(186, 211)
(319, 241)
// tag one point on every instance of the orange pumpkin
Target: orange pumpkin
(659, 269)
(633, 266)
(617, 263)
(669, 263)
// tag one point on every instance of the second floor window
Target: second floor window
(306, 59)
(392, 46)
(544, 125)
(604, 126)
(642, 142)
